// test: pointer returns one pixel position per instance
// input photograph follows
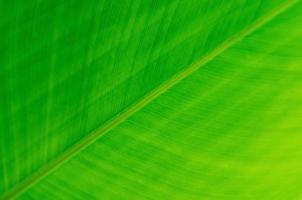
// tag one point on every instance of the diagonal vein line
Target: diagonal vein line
(96, 134)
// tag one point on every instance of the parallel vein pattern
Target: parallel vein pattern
(62, 129)
(235, 136)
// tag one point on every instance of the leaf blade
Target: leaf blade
(126, 143)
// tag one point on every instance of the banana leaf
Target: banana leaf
(150, 99)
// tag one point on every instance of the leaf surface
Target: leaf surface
(228, 131)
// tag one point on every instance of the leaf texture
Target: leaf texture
(228, 131)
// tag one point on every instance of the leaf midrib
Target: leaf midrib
(119, 118)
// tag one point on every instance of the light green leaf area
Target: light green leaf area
(193, 100)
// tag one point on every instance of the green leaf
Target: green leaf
(198, 99)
